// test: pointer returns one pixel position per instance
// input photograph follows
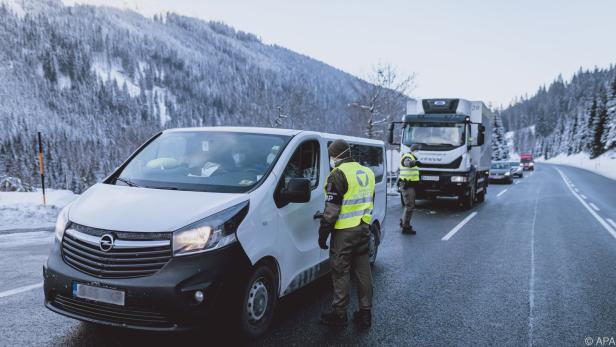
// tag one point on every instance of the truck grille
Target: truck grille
(132, 254)
(453, 165)
(111, 313)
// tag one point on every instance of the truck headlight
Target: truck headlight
(213, 232)
(458, 179)
(531, 164)
(62, 223)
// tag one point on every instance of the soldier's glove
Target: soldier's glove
(324, 232)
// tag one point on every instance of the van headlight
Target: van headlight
(62, 223)
(213, 232)
(458, 179)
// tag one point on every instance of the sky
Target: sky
(481, 50)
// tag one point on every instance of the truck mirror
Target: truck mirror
(390, 138)
(481, 137)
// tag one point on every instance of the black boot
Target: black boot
(363, 318)
(334, 319)
(411, 230)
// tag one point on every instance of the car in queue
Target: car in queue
(517, 170)
(500, 171)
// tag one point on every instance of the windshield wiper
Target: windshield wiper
(127, 182)
(165, 188)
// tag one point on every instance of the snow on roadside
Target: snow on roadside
(25, 239)
(25, 210)
(604, 165)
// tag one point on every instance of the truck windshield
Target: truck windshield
(204, 161)
(430, 134)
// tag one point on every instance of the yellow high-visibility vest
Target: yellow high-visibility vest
(409, 173)
(357, 202)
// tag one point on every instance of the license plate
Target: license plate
(495, 176)
(429, 178)
(106, 295)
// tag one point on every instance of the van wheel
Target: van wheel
(259, 302)
(373, 247)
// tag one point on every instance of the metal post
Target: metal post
(42, 166)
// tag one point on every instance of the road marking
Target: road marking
(594, 206)
(611, 222)
(516, 182)
(458, 227)
(501, 193)
(607, 227)
(583, 196)
(531, 282)
(576, 190)
(20, 290)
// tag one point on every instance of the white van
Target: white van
(201, 220)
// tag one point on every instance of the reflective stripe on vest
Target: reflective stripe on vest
(408, 173)
(357, 202)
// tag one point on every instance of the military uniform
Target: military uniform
(347, 216)
(408, 178)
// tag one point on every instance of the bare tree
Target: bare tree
(386, 98)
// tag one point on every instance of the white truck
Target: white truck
(454, 137)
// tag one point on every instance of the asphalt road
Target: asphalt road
(534, 265)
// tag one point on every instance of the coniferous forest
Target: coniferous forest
(97, 82)
(567, 117)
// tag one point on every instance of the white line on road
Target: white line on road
(576, 190)
(594, 206)
(516, 182)
(459, 226)
(611, 222)
(583, 196)
(501, 193)
(592, 212)
(20, 290)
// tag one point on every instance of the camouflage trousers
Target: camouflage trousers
(408, 197)
(349, 252)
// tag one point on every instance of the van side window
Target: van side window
(304, 163)
(370, 156)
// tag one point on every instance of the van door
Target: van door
(298, 228)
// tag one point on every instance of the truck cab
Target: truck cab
(455, 147)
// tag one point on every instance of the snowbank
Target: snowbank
(25, 210)
(604, 165)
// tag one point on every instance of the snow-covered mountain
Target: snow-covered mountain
(567, 117)
(99, 81)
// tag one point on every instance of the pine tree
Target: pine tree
(598, 144)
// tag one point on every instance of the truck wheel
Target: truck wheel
(481, 197)
(468, 200)
(258, 302)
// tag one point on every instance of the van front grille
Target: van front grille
(134, 257)
(112, 313)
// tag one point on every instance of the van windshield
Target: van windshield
(204, 161)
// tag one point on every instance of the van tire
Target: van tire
(259, 300)
(373, 245)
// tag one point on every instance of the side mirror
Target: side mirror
(297, 190)
(390, 138)
(481, 137)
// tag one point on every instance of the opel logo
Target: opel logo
(106, 243)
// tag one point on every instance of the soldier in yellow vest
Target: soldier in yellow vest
(347, 215)
(407, 180)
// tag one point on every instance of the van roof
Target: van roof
(278, 131)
